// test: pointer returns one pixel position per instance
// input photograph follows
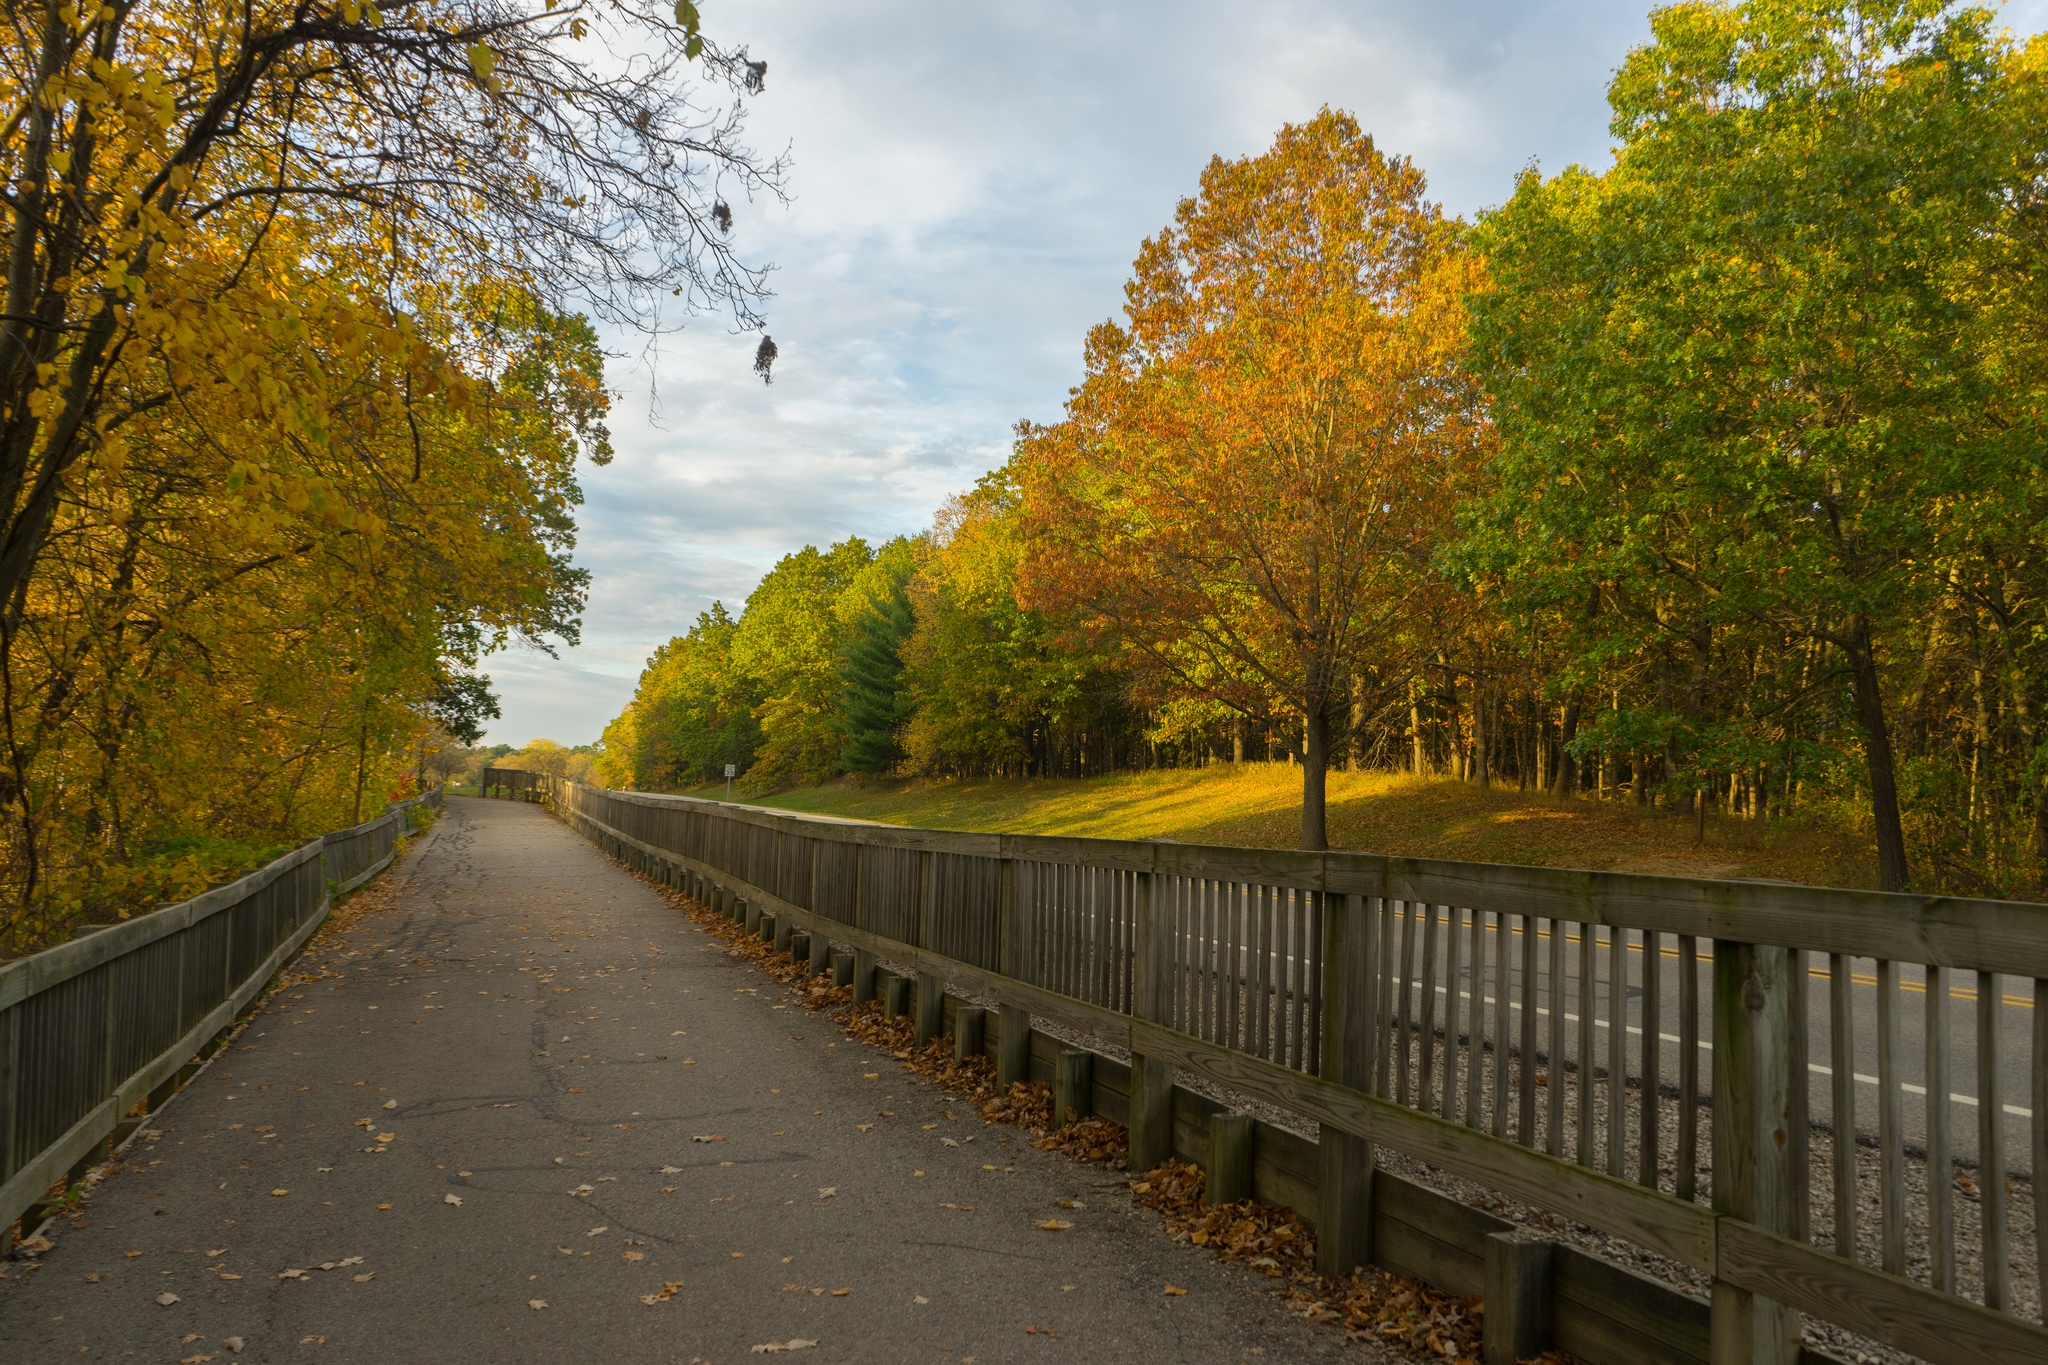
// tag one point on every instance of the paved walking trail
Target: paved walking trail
(544, 1037)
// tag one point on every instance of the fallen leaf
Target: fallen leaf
(739, 1255)
(167, 1298)
(841, 1293)
(775, 1347)
(226, 1276)
(827, 1191)
(315, 1341)
(871, 1075)
(964, 1208)
(383, 1206)
(279, 1194)
(670, 1189)
(92, 1279)
(222, 1252)
(190, 1337)
(291, 1274)
(594, 1231)
(668, 1291)
(536, 1303)
(708, 1137)
(671, 1170)
(949, 1142)
(920, 1299)
(633, 1255)
(1175, 1290)
(391, 1104)
(1072, 1204)
(232, 1343)
(1054, 1225)
(863, 1127)
(454, 1199)
(193, 1360)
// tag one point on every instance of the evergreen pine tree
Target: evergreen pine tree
(873, 707)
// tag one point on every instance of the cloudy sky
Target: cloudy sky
(970, 183)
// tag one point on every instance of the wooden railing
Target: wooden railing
(118, 1017)
(1536, 1031)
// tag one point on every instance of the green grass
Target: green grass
(1258, 805)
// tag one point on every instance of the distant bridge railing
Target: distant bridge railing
(513, 782)
(119, 1016)
(1503, 1024)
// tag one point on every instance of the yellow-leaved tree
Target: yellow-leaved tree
(1251, 481)
(293, 385)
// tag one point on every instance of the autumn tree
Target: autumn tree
(293, 381)
(1252, 479)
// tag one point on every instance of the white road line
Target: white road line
(2013, 1110)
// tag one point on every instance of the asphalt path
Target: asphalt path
(527, 1095)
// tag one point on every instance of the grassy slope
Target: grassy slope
(1258, 805)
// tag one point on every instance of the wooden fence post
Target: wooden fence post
(931, 1007)
(1229, 1176)
(1517, 1287)
(1013, 1054)
(1073, 1097)
(10, 1105)
(967, 1032)
(1344, 1231)
(1151, 1114)
(896, 996)
(863, 976)
(1752, 1116)
(842, 969)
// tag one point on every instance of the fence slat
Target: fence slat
(1842, 1059)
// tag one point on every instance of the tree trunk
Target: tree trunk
(362, 757)
(1566, 780)
(1884, 792)
(1315, 767)
(1476, 766)
(1415, 737)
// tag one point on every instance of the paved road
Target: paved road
(2015, 1015)
(543, 1037)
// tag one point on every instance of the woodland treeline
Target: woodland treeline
(1710, 480)
(298, 368)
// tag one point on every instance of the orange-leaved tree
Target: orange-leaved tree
(1251, 481)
